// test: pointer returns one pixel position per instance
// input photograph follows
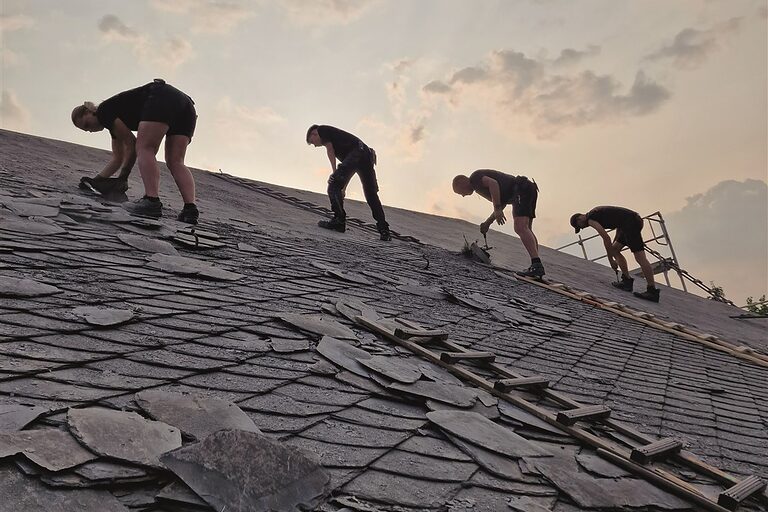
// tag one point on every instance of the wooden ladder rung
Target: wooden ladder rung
(505, 385)
(478, 357)
(732, 498)
(656, 450)
(590, 412)
(436, 335)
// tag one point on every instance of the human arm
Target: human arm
(484, 226)
(495, 191)
(610, 250)
(123, 152)
(331, 155)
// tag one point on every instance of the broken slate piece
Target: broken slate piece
(459, 396)
(395, 368)
(529, 420)
(593, 463)
(190, 267)
(30, 227)
(483, 432)
(250, 248)
(195, 416)
(284, 346)
(241, 471)
(318, 325)
(344, 354)
(179, 495)
(17, 416)
(103, 317)
(492, 462)
(147, 244)
(423, 291)
(12, 287)
(351, 308)
(20, 492)
(123, 435)
(52, 449)
(109, 472)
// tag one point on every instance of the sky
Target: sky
(654, 105)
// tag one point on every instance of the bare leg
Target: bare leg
(148, 139)
(620, 259)
(642, 260)
(523, 229)
(175, 151)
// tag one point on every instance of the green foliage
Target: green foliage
(758, 307)
(716, 292)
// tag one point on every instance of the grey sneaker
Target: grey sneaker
(144, 207)
(536, 271)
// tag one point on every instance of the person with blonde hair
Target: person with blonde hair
(153, 111)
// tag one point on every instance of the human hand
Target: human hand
(500, 218)
(484, 227)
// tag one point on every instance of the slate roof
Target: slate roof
(91, 315)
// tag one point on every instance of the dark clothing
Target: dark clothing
(518, 191)
(155, 101)
(343, 142)
(627, 223)
(355, 157)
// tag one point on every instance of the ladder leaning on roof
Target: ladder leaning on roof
(639, 460)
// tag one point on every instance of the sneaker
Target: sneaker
(145, 208)
(189, 214)
(651, 294)
(334, 224)
(536, 270)
(104, 186)
(625, 284)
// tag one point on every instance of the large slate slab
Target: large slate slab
(30, 227)
(318, 324)
(146, 244)
(247, 472)
(497, 465)
(344, 354)
(12, 287)
(459, 396)
(123, 435)
(52, 449)
(483, 432)
(190, 267)
(395, 368)
(515, 413)
(103, 317)
(17, 416)
(22, 493)
(195, 416)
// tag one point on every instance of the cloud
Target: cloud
(691, 47)
(533, 92)
(208, 16)
(8, 57)
(166, 55)
(12, 22)
(238, 126)
(13, 115)
(569, 56)
(325, 12)
(722, 235)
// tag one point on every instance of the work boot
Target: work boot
(625, 284)
(384, 233)
(145, 207)
(651, 294)
(536, 271)
(335, 224)
(189, 214)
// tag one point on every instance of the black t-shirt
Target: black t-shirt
(613, 217)
(126, 106)
(507, 184)
(343, 142)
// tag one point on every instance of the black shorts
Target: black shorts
(525, 197)
(631, 235)
(166, 104)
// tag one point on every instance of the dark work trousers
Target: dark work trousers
(359, 161)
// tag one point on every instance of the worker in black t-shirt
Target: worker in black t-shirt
(354, 157)
(153, 111)
(628, 225)
(501, 190)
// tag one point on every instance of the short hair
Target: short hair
(460, 180)
(79, 111)
(313, 127)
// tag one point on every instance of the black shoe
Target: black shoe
(384, 233)
(144, 207)
(104, 186)
(189, 214)
(334, 224)
(651, 294)
(625, 284)
(536, 270)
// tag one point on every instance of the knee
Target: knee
(521, 225)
